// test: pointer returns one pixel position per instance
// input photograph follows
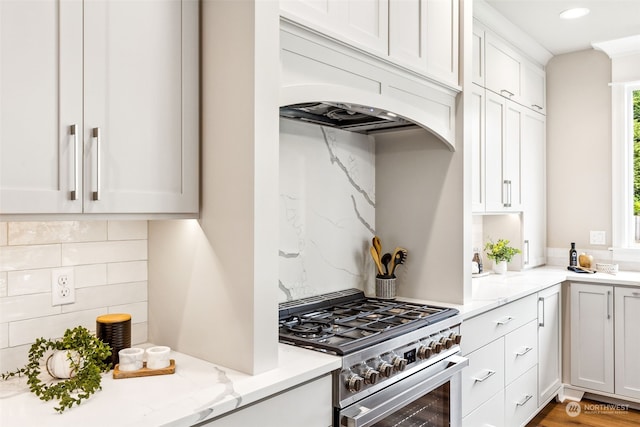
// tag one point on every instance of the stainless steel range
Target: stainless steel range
(400, 362)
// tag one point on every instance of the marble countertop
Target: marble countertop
(197, 391)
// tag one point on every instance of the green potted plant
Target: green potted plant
(86, 357)
(501, 253)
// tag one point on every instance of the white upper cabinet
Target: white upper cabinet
(361, 23)
(114, 129)
(40, 102)
(419, 35)
(502, 68)
(533, 87)
(477, 59)
(423, 35)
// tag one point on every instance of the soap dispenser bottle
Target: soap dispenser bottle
(573, 255)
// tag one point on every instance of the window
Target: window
(626, 167)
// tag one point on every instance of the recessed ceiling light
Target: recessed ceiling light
(576, 12)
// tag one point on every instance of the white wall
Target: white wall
(578, 149)
(109, 264)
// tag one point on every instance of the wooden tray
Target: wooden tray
(144, 372)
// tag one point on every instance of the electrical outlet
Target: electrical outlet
(63, 287)
(597, 237)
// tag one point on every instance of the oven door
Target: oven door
(430, 397)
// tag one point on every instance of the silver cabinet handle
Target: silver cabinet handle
(505, 320)
(526, 258)
(504, 91)
(507, 193)
(524, 400)
(73, 130)
(536, 106)
(523, 352)
(488, 374)
(95, 133)
(608, 304)
(541, 320)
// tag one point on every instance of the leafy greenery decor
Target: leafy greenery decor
(88, 368)
(500, 251)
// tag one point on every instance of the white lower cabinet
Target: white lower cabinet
(520, 401)
(311, 402)
(500, 387)
(627, 338)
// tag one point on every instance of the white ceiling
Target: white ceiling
(608, 20)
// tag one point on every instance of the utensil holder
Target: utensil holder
(115, 330)
(386, 287)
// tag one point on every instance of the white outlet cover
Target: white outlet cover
(597, 237)
(63, 287)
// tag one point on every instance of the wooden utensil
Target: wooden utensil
(377, 244)
(376, 259)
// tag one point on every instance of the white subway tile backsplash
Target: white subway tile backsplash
(38, 233)
(4, 335)
(107, 296)
(109, 259)
(23, 307)
(102, 252)
(3, 233)
(138, 311)
(26, 282)
(123, 272)
(90, 275)
(3, 284)
(51, 327)
(29, 257)
(127, 230)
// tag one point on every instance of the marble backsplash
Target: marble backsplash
(327, 210)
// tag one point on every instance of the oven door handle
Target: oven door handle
(360, 415)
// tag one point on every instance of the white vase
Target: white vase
(59, 363)
(500, 267)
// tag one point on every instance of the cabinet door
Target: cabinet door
(40, 101)
(533, 87)
(549, 344)
(502, 68)
(360, 23)
(503, 121)
(423, 34)
(592, 336)
(534, 180)
(477, 149)
(478, 54)
(627, 319)
(141, 106)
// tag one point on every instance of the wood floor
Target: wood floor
(591, 414)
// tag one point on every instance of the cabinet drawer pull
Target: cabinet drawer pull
(506, 196)
(536, 106)
(505, 320)
(95, 133)
(608, 304)
(524, 400)
(541, 318)
(523, 352)
(73, 130)
(504, 91)
(488, 374)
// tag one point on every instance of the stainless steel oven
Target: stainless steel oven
(401, 361)
(430, 397)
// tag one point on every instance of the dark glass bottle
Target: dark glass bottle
(573, 255)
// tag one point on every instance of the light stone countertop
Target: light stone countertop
(200, 390)
(197, 391)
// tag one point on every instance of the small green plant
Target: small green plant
(88, 368)
(636, 208)
(500, 251)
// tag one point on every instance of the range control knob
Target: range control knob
(456, 337)
(385, 369)
(425, 352)
(399, 363)
(446, 342)
(370, 376)
(354, 383)
(436, 347)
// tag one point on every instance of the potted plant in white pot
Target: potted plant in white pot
(501, 253)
